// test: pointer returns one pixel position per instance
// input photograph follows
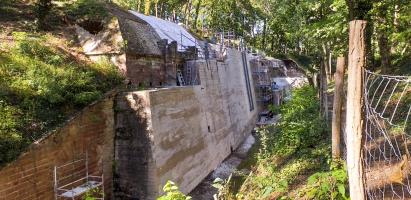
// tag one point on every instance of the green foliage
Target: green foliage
(289, 149)
(93, 194)
(172, 193)
(326, 185)
(93, 10)
(34, 49)
(11, 139)
(300, 126)
(40, 87)
(274, 109)
(42, 9)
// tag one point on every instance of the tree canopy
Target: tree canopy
(318, 29)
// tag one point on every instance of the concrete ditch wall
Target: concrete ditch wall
(186, 131)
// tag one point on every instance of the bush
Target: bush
(42, 9)
(172, 192)
(40, 87)
(89, 14)
(94, 10)
(85, 98)
(294, 146)
(300, 125)
(10, 138)
(326, 185)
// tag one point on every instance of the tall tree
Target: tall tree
(147, 7)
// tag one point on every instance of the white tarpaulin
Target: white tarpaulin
(288, 82)
(169, 30)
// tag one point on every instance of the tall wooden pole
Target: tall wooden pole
(337, 106)
(354, 121)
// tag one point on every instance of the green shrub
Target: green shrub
(172, 192)
(300, 125)
(40, 87)
(326, 185)
(85, 98)
(10, 138)
(294, 146)
(88, 11)
(42, 9)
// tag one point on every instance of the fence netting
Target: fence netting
(387, 142)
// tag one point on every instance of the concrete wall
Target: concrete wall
(186, 131)
(147, 137)
(31, 175)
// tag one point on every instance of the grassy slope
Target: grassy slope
(43, 80)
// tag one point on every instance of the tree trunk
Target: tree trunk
(323, 91)
(147, 4)
(337, 108)
(383, 42)
(384, 47)
(139, 6)
(354, 121)
(187, 13)
(264, 34)
(156, 7)
(369, 31)
(330, 64)
(327, 64)
(197, 11)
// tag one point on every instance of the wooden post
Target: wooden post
(354, 121)
(337, 106)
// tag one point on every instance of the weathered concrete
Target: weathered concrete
(176, 133)
(186, 132)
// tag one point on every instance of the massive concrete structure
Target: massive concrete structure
(185, 131)
(141, 139)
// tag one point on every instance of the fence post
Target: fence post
(337, 106)
(354, 121)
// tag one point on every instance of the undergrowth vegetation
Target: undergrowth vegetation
(297, 147)
(40, 87)
(172, 192)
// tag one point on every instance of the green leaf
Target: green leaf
(267, 191)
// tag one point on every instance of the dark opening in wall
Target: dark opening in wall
(151, 84)
(161, 83)
(92, 26)
(209, 129)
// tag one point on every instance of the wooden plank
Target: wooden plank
(354, 121)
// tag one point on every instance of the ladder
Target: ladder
(180, 78)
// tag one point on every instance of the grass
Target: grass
(40, 87)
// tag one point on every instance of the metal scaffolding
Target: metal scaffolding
(262, 81)
(73, 180)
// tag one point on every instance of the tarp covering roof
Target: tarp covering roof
(169, 30)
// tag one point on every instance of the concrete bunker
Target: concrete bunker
(183, 133)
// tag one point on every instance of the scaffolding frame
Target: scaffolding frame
(79, 186)
(262, 81)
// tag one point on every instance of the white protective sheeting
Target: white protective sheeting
(169, 30)
(289, 82)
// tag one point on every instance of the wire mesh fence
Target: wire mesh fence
(386, 157)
